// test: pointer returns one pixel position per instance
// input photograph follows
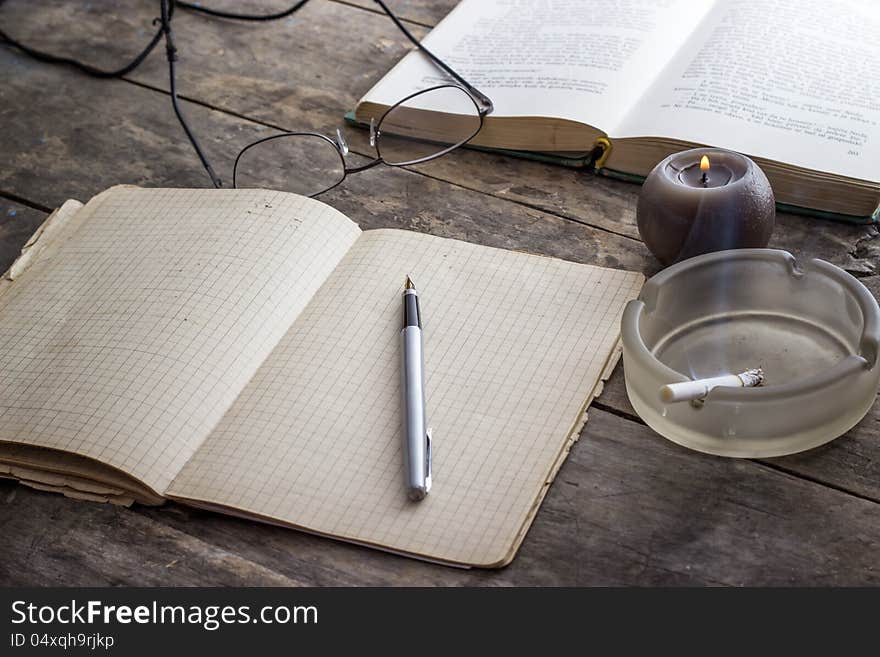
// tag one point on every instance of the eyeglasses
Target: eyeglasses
(421, 127)
(309, 163)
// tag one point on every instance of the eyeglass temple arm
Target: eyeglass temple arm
(363, 167)
(486, 104)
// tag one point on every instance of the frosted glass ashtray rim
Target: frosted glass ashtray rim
(869, 342)
(814, 328)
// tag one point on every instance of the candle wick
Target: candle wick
(704, 178)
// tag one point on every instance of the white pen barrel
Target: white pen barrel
(414, 429)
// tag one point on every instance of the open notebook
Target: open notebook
(239, 350)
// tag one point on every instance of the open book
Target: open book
(793, 84)
(239, 350)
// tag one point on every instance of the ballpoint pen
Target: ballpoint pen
(416, 436)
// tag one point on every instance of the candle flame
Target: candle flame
(704, 163)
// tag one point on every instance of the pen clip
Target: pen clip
(429, 459)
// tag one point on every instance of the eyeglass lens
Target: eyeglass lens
(426, 125)
(300, 163)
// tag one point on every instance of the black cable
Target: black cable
(488, 105)
(483, 98)
(241, 17)
(164, 30)
(167, 7)
(85, 68)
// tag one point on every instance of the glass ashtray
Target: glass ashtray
(813, 329)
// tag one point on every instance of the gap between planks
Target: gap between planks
(776, 467)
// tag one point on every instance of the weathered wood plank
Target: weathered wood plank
(17, 224)
(706, 518)
(293, 72)
(626, 508)
(424, 12)
(49, 540)
(613, 396)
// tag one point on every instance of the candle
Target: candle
(703, 200)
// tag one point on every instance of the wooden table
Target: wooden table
(627, 508)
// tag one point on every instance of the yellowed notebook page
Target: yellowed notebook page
(129, 341)
(514, 346)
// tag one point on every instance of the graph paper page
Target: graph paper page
(514, 346)
(127, 342)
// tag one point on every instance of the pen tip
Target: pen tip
(409, 284)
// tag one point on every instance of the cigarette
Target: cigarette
(691, 390)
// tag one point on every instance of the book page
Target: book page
(582, 60)
(127, 342)
(515, 345)
(788, 80)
